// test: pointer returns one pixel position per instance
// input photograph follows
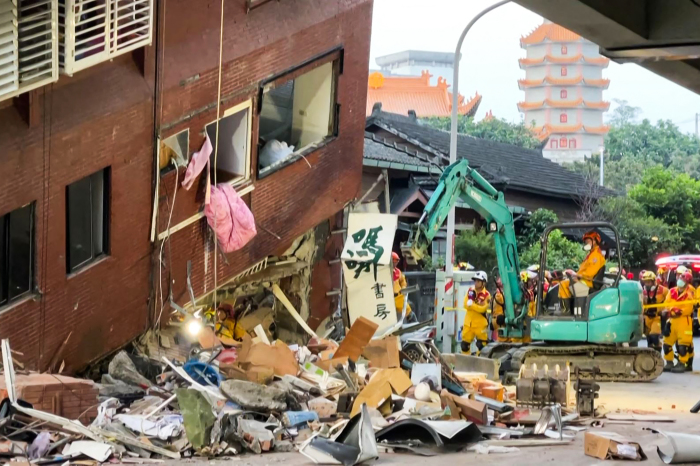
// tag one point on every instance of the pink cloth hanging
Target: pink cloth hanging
(199, 161)
(229, 217)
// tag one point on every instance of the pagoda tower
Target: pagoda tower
(564, 92)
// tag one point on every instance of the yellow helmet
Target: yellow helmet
(613, 270)
(649, 275)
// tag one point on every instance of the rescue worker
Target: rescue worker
(498, 317)
(399, 284)
(476, 303)
(679, 329)
(529, 278)
(226, 322)
(653, 294)
(589, 267)
(661, 277)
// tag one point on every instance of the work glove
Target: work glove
(469, 303)
(675, 312)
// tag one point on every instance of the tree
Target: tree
(623, 113)
(534, 226)
(674, 199)
(645, 235)
(493, 129)
(561, 253)
(477, 248)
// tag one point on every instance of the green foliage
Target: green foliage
(535, 226)
(674, 200)
(428, 265)
(477, 248)
(561, 253)
(493, 129)
(640, 230)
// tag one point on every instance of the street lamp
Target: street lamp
(449, 259)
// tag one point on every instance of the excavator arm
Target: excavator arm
(459, 182)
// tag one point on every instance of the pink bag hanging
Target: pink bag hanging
(230, 218)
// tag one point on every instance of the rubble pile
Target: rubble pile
(335, 403)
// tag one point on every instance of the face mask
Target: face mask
(587, 247)
(681, 283)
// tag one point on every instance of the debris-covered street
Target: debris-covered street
(349, 233)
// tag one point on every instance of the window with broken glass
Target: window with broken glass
(230, 159)
(296, 116)
(87, 213)
(16, 254)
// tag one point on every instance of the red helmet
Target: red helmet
(395, 256)
(593, 235)
(630, 276)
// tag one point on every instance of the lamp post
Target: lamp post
(602, 170)
(449, 259)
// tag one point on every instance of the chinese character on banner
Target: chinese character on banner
(367, 268)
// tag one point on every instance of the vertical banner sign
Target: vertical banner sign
(367, 268)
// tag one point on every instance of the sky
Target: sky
(490, 55)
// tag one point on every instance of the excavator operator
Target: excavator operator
(590, 266)
(679, 328)
(653, 294)
(476, 302)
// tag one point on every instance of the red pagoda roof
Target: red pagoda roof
(523, 83)
(543, 132)
(602, 61)
(399, 94)
(551, 32)
(563, 104)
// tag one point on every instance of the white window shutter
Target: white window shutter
(94, 31)
(28, 45)
(9, 54)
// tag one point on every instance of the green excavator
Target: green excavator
(597, 330)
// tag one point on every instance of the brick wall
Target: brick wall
(105, 116)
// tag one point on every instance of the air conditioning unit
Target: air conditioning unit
(94, 31)
(28, 45)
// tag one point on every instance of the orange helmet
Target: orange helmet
(687, 277)
(395, 256)
(593, 235)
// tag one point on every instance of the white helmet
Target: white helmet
(681, 269)
(480, 275)
(534, 268)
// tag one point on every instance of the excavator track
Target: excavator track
(616, 363)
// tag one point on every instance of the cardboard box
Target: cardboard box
(356, 340)
(383, 353)
(278, 356)
(447, 402)
(611, 445)
(474, 411)
(327, 364)
(380, 388)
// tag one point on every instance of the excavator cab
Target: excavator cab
(609, 311)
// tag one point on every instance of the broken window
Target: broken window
(230, 160)
(296, 115)
(173, 151)
(87, 219)
(16, 253)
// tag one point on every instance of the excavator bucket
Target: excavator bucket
(411, 255)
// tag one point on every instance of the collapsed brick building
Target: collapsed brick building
(94, 235)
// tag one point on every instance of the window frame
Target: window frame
(572, 143)
(554, 144)
(564, 50)
(563, 118)
(562, 142)
(563, 94)
(334, 56)
(564, 71)
(161, 141)
(5, 299)
(106, 226)
(249, 137)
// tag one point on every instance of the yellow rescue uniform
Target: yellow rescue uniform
(531, 312)
(679, 330)
(475, 323)
(229, 328)
(590, 266)
(399, 298)
(652, 316)
(498, 302)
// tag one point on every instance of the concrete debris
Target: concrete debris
(249, 395)
(123, 368)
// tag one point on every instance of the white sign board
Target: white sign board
(367, 268)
